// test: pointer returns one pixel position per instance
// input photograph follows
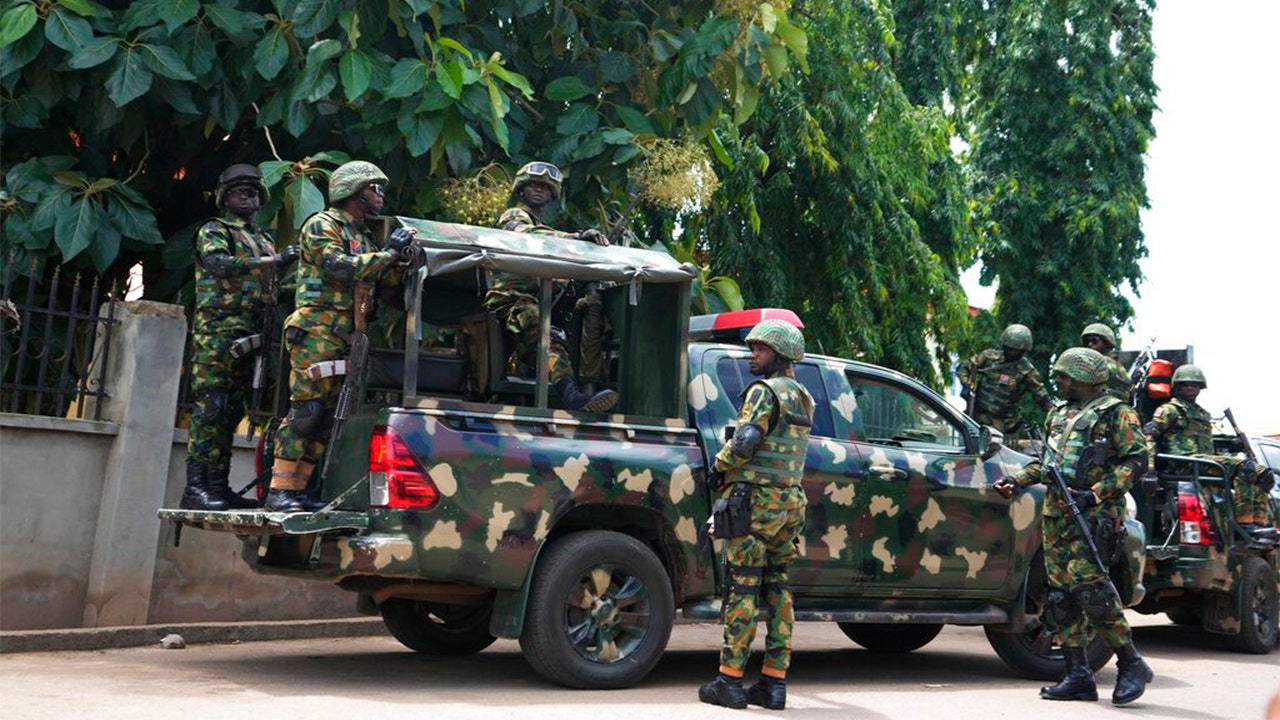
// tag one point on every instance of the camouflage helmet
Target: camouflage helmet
(1189, 374)
(543, 172)
(783, 337)
(350, 178)
(1101, 331)
(239, 174)
(1017, 337)
(1082, 365)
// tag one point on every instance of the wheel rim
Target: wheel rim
(1261, 609)
(607, 614)
(1039, 640)
(454, 619)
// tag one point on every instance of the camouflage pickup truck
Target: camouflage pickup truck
(464, 508)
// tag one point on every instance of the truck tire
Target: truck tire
(1033, 655)
(1258, 619)
(1189, 613)
(890, 637)
(437, 628)
(600, 611)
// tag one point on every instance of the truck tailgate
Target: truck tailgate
(260, 522)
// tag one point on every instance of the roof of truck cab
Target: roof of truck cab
(449, 247)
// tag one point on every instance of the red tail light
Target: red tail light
(396, 480)
(1194, 527)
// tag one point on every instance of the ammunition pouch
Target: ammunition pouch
(310, 419)
(1095, 600)
(1095, 454)
(1265, 480)
(1109, 535)
(731, 516)
(745, 440)
(774, 579)
(1060, 609)
(733, 580)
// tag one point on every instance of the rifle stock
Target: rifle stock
(260, 364)
(1240, 436)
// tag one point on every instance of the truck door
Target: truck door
(927, 518)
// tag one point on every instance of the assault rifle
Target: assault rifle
(1138, 371)
(260, 363)
(1042, 453)
(615, 233)
(351, 395)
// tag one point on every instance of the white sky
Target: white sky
(1213, 177)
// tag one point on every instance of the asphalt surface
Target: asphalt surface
(957, 677)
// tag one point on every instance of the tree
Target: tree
(1060, 119)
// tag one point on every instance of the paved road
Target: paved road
(956, 677)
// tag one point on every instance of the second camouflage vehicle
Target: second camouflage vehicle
(464, 508)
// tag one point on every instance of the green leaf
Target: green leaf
(796, 41)
(299, 117)
(718, 147)
(313, 17)
(775, 56)
(140, 13)
(17, 55)
(67, 31)
(591, 146)
(760, 159)
(745, 109)
(105, 245)
(333, 157)
(449, 75)
(421, 130)
(616, 67)
(323, 50)
(176, 13)
(271, 54)
(305, 198)
(728, 291)
(455, 46)
(579, 118)
(16, 22)
(73, 230)
(566, 88)
(768, 17)
(54, 204)
(515, 80)
(133, 219)
(177, 94)
(197, 48)
(79, 7)
(129, 78)
(356, 71)
(497, 101)
(165, 61)
(273, 171)
(635, 120)
(228, 19)
(617, 136)
(94, 53)
(407, 78)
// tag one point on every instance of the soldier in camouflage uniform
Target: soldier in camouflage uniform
(1101, 451)
(339, 270)
(995, 381)
(762, 466)
(513, 299)
(236, 267)
(1182, 427)
(1099, 337)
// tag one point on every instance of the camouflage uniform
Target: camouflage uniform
(235, 275)
(1117, 385)
(1000, 386)
(337, 255)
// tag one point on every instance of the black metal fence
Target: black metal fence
(55, 339)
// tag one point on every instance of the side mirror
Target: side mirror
(990, 446)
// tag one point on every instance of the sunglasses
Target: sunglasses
(547, 170)
(245, 191)
(377, 188)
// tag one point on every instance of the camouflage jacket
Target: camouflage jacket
(230, 280)
(1180, 428)
(1078, 430)
(337, 254)
(519, 218)
(999, 387)
(1117, 380)
(783, 409)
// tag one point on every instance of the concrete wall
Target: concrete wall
(80, 543)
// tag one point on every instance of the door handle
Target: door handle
(889, 471)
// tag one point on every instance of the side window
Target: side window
(890, 415)
(734, 376)
(1271, 456)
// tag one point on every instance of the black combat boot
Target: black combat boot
(1132, 679)
(217, 482)
(291, 501)
(573, 398)
(1077, 683)
(1258, 531)
(199, 494)
(724, 691)
(768, 692)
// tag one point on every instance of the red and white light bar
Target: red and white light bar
(734, 326)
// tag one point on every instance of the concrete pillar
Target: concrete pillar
(142, 376)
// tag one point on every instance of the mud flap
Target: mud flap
(1222, 613)
(509, 606)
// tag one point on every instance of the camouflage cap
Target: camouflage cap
(1082, 365)
(239, 174)
(538, 171)
(785, 338)
(1101, 331)
(1189, 374)
(350, 178)
(1017, 337)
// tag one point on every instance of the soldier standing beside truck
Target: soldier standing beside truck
(761, 516)
(994, 382)
(236, 268)
(1100, 338)
(339, 271)
(1101, 451)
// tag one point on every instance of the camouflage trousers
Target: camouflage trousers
(306, 348)
(518, 314)
(218, 386)
(757, 562)
(1070, 567)
(1252, 504)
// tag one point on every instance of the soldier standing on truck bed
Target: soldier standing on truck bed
(761, 516)
(1182, 427)
(994, 381)
(1100, 452)
(340, 267)
(513, 299)
(1099, 337)
(236, 268)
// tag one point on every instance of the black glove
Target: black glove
(594, 236)
(288, 256)
(400, 239)
(1085, 499)
(715, 479)
(1266, 480)
(966, 394)
(1246, 468)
